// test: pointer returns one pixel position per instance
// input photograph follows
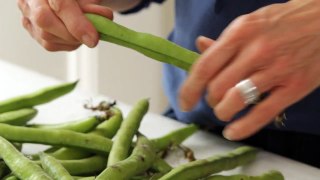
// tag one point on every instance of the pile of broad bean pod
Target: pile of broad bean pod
(101, 147)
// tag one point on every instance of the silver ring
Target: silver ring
(248, 91)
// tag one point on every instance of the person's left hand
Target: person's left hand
(277, 47)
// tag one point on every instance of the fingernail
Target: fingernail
(229, 134)
(88, 41)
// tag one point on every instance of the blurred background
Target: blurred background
(108, 69)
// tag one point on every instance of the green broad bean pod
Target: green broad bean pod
(271, 175)
(106, 129)
(152, 46)
(161, 166)
(205, 167)
(88, 166)
(129, 127)
(56, 137)
(41, 96)
(83, 126)
(141, 159)
(175, 137)
(21, 166)
(54, 168)
(18, 117)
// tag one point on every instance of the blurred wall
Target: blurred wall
(122, 73)
(19, 48)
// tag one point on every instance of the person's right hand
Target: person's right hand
(60, 25)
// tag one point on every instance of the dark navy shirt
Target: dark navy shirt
(209, 18)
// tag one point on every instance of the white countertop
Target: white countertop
(17, 80)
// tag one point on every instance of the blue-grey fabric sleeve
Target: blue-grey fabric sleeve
(141, 5)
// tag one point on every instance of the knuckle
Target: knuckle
(262, 49)
(42, 16)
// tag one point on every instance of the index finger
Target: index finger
(205, 68)
(77, 24)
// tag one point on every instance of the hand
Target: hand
(276, 47)
(60, 24)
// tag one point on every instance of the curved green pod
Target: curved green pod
(175, 137)
(56, 137)
(205, 167)
(129, 127)
(271, 175)
(83, 126)
(106, 129)
(36, 98)
(141, 159)
(18, 117)
(152, 46)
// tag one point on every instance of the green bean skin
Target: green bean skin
(18, 117)
(152, 46)
(106, 129)
(83, 126)
(111, 126)
(87, 166)
(54, 168)
(20, 165)
(161, 166)
(128, 129)
(175, 137)
(36, 98)
(56, 137)
(141, 159)
(271, 175)
(11, 177)
(205, 167)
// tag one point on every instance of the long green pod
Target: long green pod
(83, 167)
(152, 46)
(21, 166)
(54, 168)
(175, 137)
(128, 129)
(36, 98)
(106, 129)
(141, 159)
(18, 117)
(84, 125)
(205, 167)
(56, 137)
(271, 175)
(87, 166)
